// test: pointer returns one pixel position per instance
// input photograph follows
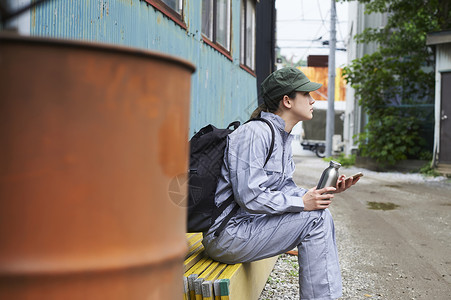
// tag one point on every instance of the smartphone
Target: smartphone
(357, 175)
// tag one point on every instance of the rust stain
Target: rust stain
(173, 142)
(33, 17)
(86, 177)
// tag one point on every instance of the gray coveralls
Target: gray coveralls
(271, 219)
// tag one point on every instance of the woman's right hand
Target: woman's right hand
(318, 199)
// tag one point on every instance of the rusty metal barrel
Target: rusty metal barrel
(91, 136)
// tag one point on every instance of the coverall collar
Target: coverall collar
(278, 122)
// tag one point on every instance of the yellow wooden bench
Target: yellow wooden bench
(207, 279)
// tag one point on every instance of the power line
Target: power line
(322, 24)
(301, 40)
(302, 9)
(306, 40)
(320, 12)
(311, 47)
(308, 20)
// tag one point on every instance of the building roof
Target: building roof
(438, 37)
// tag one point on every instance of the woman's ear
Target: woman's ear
(286, 101)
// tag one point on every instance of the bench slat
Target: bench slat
(198, 281)
(193, 259)
(202, 263)
(207, 285)
(194, 243)
(207, 279)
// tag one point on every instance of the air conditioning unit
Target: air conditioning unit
(337, 143)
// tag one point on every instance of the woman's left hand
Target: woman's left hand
(344, 183)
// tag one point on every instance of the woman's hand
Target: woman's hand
(318, 199)
(344, 183)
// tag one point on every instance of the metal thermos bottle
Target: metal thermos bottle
(329, 176)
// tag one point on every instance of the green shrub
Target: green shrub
(391, 137)
(395, 84)
(428, 170)
(345, 161)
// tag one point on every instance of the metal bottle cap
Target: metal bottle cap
(335, 164)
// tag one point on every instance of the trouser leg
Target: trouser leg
(319, 270)
(312, 232)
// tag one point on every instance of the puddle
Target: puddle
(382, 205)
(393, 186)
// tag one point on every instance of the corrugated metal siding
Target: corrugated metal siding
(221, 91)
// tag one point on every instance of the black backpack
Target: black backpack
(206, 158)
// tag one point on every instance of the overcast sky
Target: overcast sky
(302, 26)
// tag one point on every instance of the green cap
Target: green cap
(284, 81)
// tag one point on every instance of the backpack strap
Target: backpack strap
(219, 211)
(235, 125)
(271, 147)
(231, 198)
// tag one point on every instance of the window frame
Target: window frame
(244, 37)
(169, 12)
(213, 40)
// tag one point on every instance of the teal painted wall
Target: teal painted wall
(221, 91)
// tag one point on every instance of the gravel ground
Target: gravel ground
(383, 255)
(283, 282)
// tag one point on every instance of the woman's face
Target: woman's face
(302, 106)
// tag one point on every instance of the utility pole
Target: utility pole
(330, 118)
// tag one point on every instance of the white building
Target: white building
(358, 21)
(442, 131)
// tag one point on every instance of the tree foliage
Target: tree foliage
(398, 77)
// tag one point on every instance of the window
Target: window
(216, 22)
(175, 5)
(247, 34)
(172, 8)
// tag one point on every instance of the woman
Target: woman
(274, 215)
